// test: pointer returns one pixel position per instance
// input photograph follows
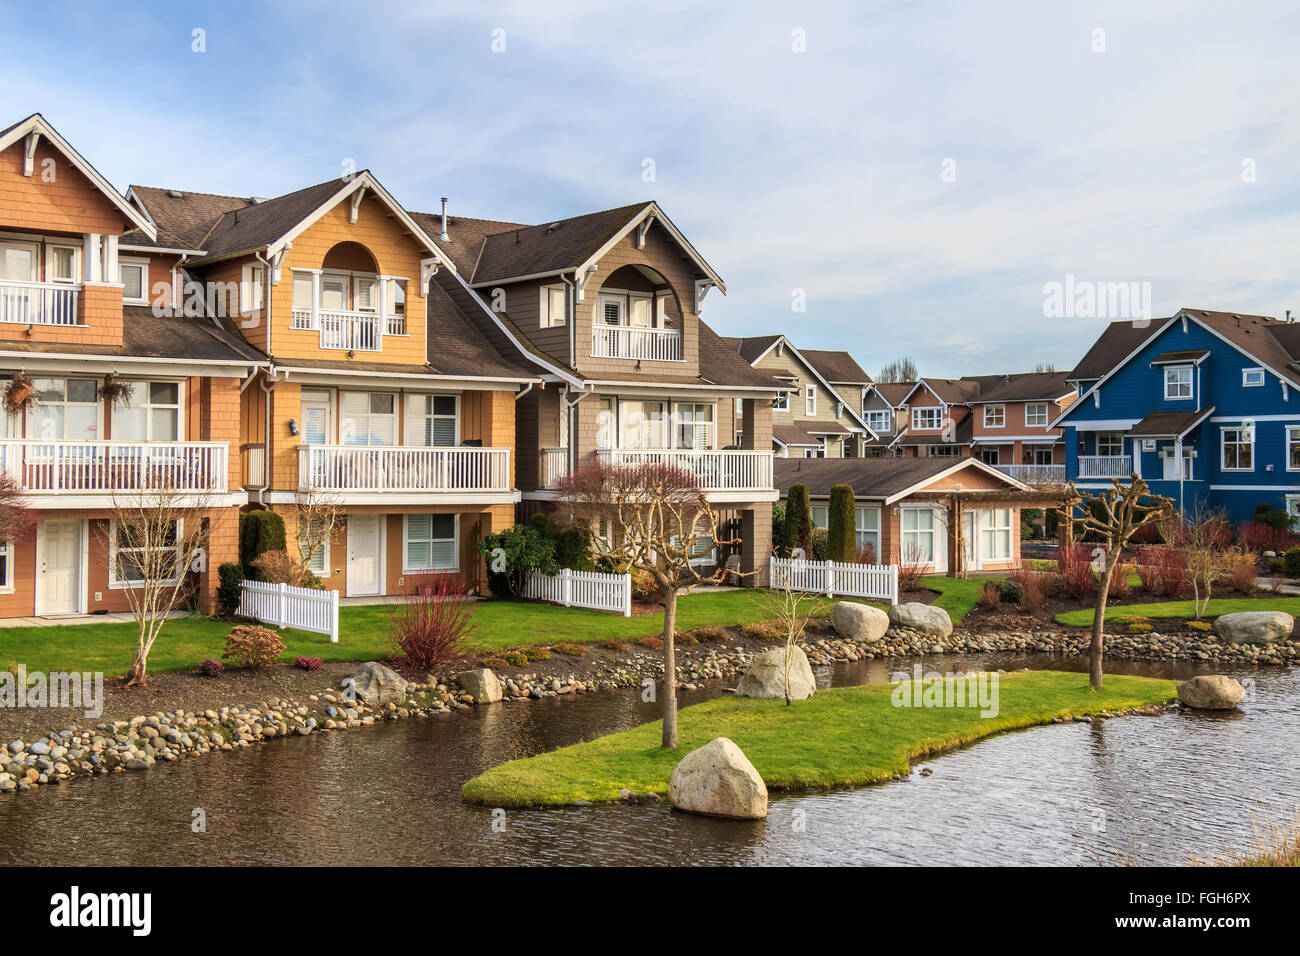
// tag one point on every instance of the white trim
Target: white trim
(114, 584)
(1262, 379)
(960, 463)
(1223, 448)
(1106, 425)
(1191, 382)
(144, 279)
(426, 498)
(7, 578)
(1253, 488)
(652, 209)
(988, 407)
(1047, 414)
(1286, 445)
(455, 539)
(1006, 439)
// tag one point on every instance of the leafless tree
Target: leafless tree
(651, 518)
(318, 514)
(791, 610)
(899, 370)
(15, 517)
(1203, 539)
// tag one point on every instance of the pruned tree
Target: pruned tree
(798, 520)
(842, 525)
(899, 370)
(792, 610)
(1114, 516)
(318, 515)
(156, 537)
(651, 518)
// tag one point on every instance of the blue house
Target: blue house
(1205, 406)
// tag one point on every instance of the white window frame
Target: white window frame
(941, 451)
(549, 320)
(868, 533)
(1174, 383)
(880, 420)
(411, 415)
(1108, 437)
(7, 571)
(250, 289)
(368, 415)
(922, 413)
(116, 584)
(810, 400)
(32, 422)
(131, 262)
(1238, 444)
(1247, 374)
(1292, 438)
(782, 403)
(148, 405)
(604, 299)
(323, 555)
(825, 513)
(76, 263)
(990, 534)
(918, 532)
(995, 416)
(1036, 414)
(1291, 503)
(406, 543)
(711, 424)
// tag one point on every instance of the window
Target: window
(991, 456)
(66, 411)
(810, 400)
(1252, 377)
(250, 289)
(694, 427)
(640, 310)
(18, 261)
(610, 310)
(368, 418)
(140, 553)
(431, 420)
(642, 425)
(317, 557)
(302, 317)
(1292, 505)
(1110, 444)
(396, 297)
(782, 403)
(995, 416)
(552, 306)
(430, 543)
(995, 535)
(868, 521)
(880, 421)
(1036, 413)
(820, 516)
(941, 451)
(6, 565)
(1238, 449)
(929, 418)
(1293, 447)
(153, 413)
(61, 266)
(1178, 382)
(134, 276)
(917, 540)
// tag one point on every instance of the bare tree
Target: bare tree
(15, 517)
(156, 538)
(1203, 539)
(899, 370)
(1045, 367)
(318, 515)
(651, 518)
(792, 610)
(1115, 515)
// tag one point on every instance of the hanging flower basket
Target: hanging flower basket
(20, 394)
(115, 393)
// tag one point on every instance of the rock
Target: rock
(766, 676)
(859, 622)
(483, 685)
(374, 683)
(717, 780)
(924, 618)
(1211, 692)
(1254, 627)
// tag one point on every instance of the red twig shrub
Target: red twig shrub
(1163, 571)
(1077, 575)
(431, 623)
(1242, 572)
(253, 646)
(867, 554)
(1119, 586)
(990, 595)
(911, 567)
(1262, 537)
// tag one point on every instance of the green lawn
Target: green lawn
(957, 596)
(1182, 610)
(846, 736)
(363, 633)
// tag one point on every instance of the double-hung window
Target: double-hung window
(6, 566)
(431, 420)
(868, 528)
(142, 552)
(995, 535)
(995, 416)
(1178, 382)
(61, 264)
(134, 276)
(917, 539)
(430, 543)
(153, 413)
(368, 418)
(927, 418)
(1036, 414)
(810, 400)
(250, 289)
(1293, 447)
(1238, 449)
(314, 547)
(694, 426)
(552, 306)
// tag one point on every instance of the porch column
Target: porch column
(315, 299)
(756, 426)
(755, 542)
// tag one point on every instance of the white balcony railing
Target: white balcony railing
(1035, 474)
(1105, 466)
(554, 465)
(38, 303)
(110, 467)
(715, 470)
(355, 331)
(622, 341)
(371, 469)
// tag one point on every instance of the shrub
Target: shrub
(686, 639)
(613, 645)
(841, 526)
(764, 631)
(1011, 590)
(1119, 586)
(279, 567)
(867, 554)
(798, 520)
(1139, 627)
(644, 588)
(654, 643)
(780, 546)
(990, 595)
(230, 589)
(536, 654)
(431, 625)
(253, 645)
(210, 668)
(525, 548)
(1243, 569)
(515, 658)
(1200, 625)
(1275, 519)
(911, 567)
(1262, 537)
(1163, 571)
(1029, 587)
(259, 532)
(713, 632)
(1291, 563)
(493, 663)
(1077, 575)
(820, 545)
(308, 663)
(572, 542)
(571, 650)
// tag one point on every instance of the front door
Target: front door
(58, 567)
(364, 549)
(970, 530)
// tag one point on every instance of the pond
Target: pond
(1136, 789)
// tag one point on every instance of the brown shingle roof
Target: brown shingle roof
(837, 367)
(894, 392)
(1169, 424)
(465, 237)
(1115, 343)
(551, 247)
(183, 221)
(146, 335)
(260, 224)
(869, 477)
(1026, 387)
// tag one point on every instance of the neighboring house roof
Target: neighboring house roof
(145, 335)
(837, 367)
(796, 435)
(548, 248)
(1195, 356)
(1115, 343)
(962, 435)
(1027, 387)
(886, 479)
(464, 242)
(1169, 424)
(183, 218)
(892, 392)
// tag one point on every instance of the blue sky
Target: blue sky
(817, 170)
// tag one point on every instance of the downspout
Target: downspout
(519, 395)
(271, 377)
(266, 296)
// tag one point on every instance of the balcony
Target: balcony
(627, 342)
(111, 468)
(1035, 474)
(1105, 466)
(367, 469)
(39, 303)
(350, 331)
(716, 471)
(554, 466)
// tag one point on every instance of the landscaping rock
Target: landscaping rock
(717, 780)
(483, 685)
(859, 622)
(1211, 692)
(376, 684)
(925, 618)
(766, 676)
(1254, 627)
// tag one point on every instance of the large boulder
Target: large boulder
(482, 684)
(1211, 692)
(925, 618)
(718, 780)
(859, 622)
(375, 684)
(1254, 627)
(766, 676)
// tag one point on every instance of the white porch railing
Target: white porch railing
(106, 467)
(879, 581)
(348, 468)
(603, 592)
(1105, 466)
(623, 341)
(282, 605)
(1035, 474)
(38, 303)
(715, 470)
(357, 331)
(554, 465)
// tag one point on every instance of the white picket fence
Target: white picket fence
(603, 592)
(281, 605)
(879, 581)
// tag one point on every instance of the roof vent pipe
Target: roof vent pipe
(444, 236)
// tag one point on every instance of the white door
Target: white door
(970, 536)
(58, 567)
(364, 549)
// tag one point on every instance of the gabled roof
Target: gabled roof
(184, 218)
(1169, 424)
(753, 347)
(1026, 387)
(837, 367)
(886, 479)
(892, 392)
(39, 125)
(1116, 341)
(464, 242)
